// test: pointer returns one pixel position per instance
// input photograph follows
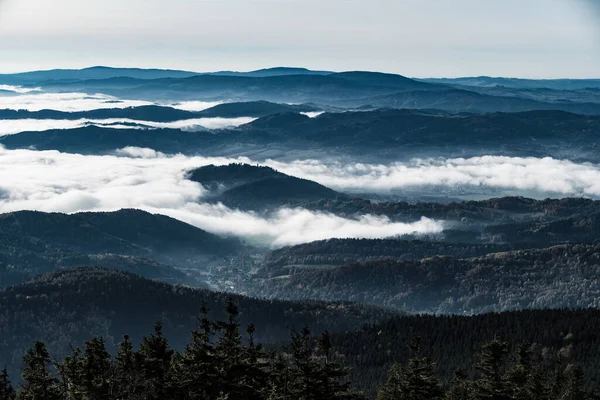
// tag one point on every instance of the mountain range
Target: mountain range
(342, 89)
(387, 134)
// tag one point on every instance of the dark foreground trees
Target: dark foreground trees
(223, 363)
(217, 364)
(497, 378)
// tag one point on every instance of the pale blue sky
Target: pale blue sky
(522, 38)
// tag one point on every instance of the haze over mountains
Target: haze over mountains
(333, 199)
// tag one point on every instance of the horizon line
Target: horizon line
(325, 71)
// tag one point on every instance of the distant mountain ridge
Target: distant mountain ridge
(350, 89)
(338, 89)
(105, 72)
(97, 72)
(156, 113)
(487, 81)
(386, 133)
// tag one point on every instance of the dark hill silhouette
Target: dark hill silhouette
(253, 109)
(353, 89)
(255, 187)
(454, 342)
(65, 308)
(163, 113)
(555, 277)
(131, 240)
(99, 72)
(142, 113)
(385, 133)
(385, 80)
(462, 100)
(275, 71)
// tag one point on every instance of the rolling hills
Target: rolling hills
(155, 113)
(342, 89)
(381, 134)
(555, 277)
(154, 246)
(66, 307)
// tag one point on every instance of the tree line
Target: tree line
(220, 363)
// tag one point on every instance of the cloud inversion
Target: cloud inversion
(18, 89)
(33, 100)
(144, 179)
(547, 174)
(12, 126)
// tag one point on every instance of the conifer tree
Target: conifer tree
(492, 385)
(71, 373)
(97, 370)
(537, 387)
(329, 374)
(253, 366)
(154, 358)
(415, 381)
(302, 377)
(575, 390)
(461, 388)
(280, 377)
(229, 354)
(196, 370)
(558, 379)
(395, 386)
(520, 375)
(126, 378)
(38, 382)
(6, 389)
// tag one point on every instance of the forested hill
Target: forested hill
(254, 187)
(345, 89)
(254, 109)
(555, 338)
(346, 251)
(35, 242)
(516, 222)
(67, 307)
(158, 113)
(387, 134)
(560, 276)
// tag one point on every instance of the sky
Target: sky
(417, 38)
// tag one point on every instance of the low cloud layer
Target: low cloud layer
(12, 126)
(193, 105)
(142, 178)
(34, 100)
(65, 102)
(149, 180)
(312, 114)
(548, 175)
(18, 89)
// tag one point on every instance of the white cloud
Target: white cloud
(12, 126)
(149, 180)
(65, 102)
(18, 89)
(312, 114)
(194, 105)
(152, 181)
(547, 175)
(33, 99)
(138, 152)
